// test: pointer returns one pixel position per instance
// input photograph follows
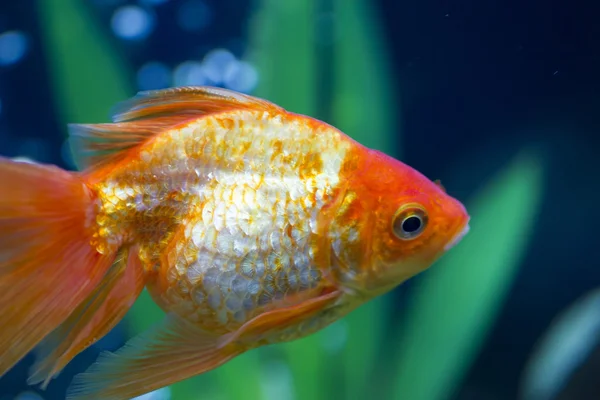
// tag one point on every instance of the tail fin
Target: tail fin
(47, 265)
(95, 317)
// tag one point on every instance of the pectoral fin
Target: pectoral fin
(280, 318)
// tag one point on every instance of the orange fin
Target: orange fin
(47, 265)
(140, 118)
(96, 145)
(281, 318)
(197, 100)
(93, 319)
(172, 351)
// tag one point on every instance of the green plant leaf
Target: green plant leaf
(285, 46)
(457, 301)
(88, 75)
(364, 106)
(281, 39)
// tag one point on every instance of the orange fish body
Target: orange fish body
(249, 225)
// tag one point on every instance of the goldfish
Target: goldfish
(249, 225)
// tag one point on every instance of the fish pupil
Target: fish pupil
(411, 224)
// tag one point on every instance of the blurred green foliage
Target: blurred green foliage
(454, 304)
(88, 75)
(284, 38)
(458, 299)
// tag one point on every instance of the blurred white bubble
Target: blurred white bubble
(153, 75)
(240, 76)
(189, 73)
(216, 63)
(13, 46)
(277, 381)
(194, 15)
(132, 22)
(160, 394)
(28, 396)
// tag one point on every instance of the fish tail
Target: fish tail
(48, 266)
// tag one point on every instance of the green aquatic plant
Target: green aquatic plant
(88, 76)
(285, 39)
(458, 299)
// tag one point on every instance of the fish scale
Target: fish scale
(248, 216)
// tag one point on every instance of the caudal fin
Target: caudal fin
(95, 317)
(47, 265)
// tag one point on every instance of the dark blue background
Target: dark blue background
(478, 80)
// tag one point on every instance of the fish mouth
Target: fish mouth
(458, 236)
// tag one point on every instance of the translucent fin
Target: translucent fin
(142, 117)
(171, 352)
(196, 100)
(264, 323)
(93, 319)
(96, 145)
(47, 265)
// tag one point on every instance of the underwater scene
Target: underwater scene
(299, 200)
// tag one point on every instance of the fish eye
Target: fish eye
(409, 222)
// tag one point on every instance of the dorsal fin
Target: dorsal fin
(150, 113)
(96, 145)
(186, 99)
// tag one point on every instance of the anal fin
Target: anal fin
(172, 351)
(93, 319)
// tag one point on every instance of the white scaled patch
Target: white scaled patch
(254, 211)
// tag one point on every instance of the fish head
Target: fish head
(403, 223)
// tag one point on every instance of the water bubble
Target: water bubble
(216, 62)
(13, 46)
(189, 73)
(194, 15)
(132, 22)
(28, 396)
(240, 76)
(153, 75)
